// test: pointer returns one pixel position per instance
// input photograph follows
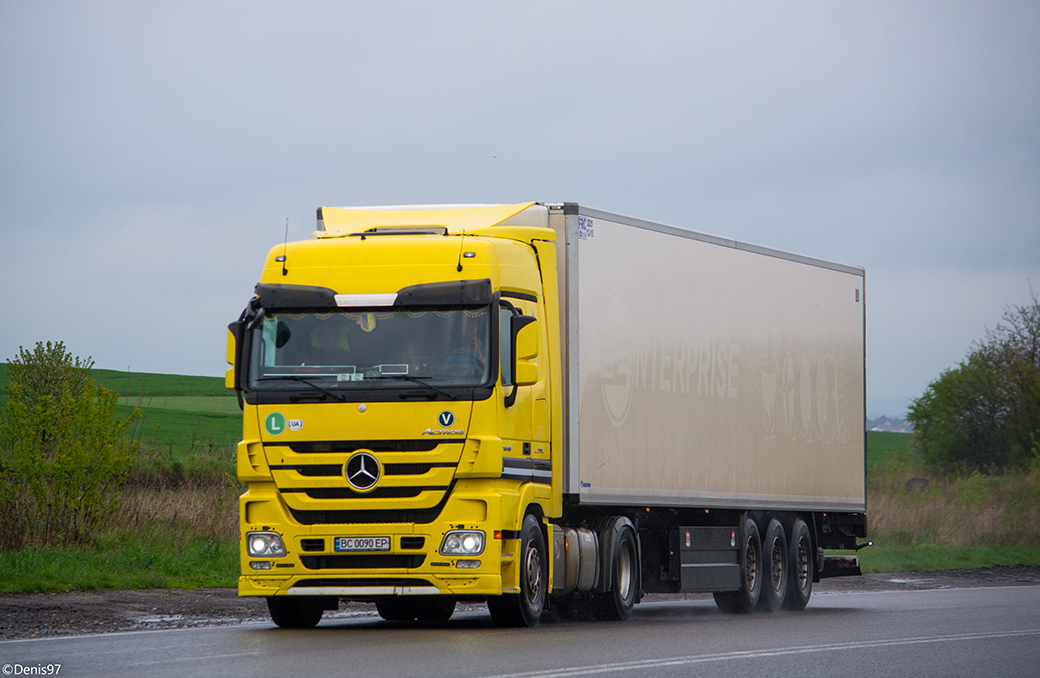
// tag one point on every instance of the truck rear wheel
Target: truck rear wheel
(774, 547)
(800, 556)
(617, 604)
(745, 599)
(296, 613)
(525, 608)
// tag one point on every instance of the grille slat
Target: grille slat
(362, 561)
(381, 493)
(350, 446)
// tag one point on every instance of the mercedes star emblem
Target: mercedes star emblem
(362, 471)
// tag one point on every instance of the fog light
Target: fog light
(265, 545)
(468, 564)
(463, 543)
(260, 564)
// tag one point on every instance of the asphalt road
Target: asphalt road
(949, 632)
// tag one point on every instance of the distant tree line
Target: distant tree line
(984, 414)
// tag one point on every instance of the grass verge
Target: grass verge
(169, 532)
(200, 562)
(925, 557)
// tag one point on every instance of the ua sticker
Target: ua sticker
(445, 418)
(275, 423)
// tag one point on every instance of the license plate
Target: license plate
(362, 544)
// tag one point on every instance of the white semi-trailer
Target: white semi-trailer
(637, 408)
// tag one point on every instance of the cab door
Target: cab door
(524, 419)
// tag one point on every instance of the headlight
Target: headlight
(264, 545)
(463, 543)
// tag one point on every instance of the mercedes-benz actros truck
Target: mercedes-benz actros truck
(544, 405)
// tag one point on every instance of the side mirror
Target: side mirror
(525, 349)
(231, 378)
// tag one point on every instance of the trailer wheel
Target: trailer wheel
(617, 604)
(295, 613)
(525, 608)
(746, 598)
(800, 556)
(774, 547)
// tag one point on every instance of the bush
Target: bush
(64, 450)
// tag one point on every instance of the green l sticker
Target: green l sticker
(275, 423)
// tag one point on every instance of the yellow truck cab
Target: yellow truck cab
(410, 386)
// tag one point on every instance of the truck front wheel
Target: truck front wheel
(426, 608)
(296, 613)
(525, 608)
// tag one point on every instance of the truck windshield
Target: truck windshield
(380, 348)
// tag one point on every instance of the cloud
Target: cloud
(152, 153)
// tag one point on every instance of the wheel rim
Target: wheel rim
(777, 565)
(624, 568)
(533, 567)
(802, 563)
(751, 564)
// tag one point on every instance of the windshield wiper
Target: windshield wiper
(304, 380)
(418, 380)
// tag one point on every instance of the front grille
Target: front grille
(369, 516)
(333, 470)
(413, 542)
(312, 544)
(362, 561)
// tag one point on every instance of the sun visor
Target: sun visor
(455, 218)
(452, 293)
(273, 295)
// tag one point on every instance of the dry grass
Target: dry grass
(907, 504)
(195, 508)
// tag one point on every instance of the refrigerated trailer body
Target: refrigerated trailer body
(544, 404)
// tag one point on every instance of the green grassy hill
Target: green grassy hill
(883, 445)
(180, 413)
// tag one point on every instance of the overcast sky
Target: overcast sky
(149, 157)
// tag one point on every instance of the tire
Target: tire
(800, 567)
(617, 603)
(295, 613)
(746, 598)
(774, 583)
(396, 609)
(525, 608)
(434, 609)
(423, 608)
